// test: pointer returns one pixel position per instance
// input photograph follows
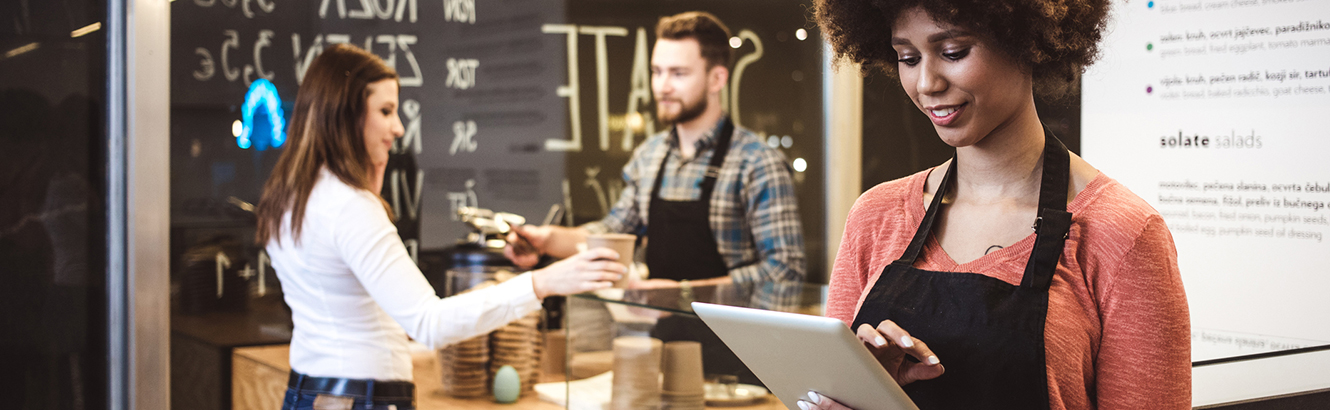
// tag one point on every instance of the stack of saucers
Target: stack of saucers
(464, 367)
(518, 345)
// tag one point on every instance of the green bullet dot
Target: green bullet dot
(1149, 46)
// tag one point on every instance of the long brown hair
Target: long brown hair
(327, 130)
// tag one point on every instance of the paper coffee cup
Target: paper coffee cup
(621, 243)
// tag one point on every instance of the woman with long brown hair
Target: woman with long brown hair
(354, 293)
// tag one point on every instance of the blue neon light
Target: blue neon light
(262, 94)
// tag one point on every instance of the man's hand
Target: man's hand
(525, 245)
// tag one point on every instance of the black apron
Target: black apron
(682, 246)
(988, 334)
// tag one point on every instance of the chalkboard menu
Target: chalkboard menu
(511, 105)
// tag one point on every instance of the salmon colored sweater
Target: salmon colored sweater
(1117, 333)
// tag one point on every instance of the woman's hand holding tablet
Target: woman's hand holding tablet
(890, 345)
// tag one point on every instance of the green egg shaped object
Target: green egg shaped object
(507, 385)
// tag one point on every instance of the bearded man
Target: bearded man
(713, 204)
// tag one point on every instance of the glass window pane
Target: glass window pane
(52, 213)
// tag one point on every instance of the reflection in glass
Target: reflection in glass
(52, 229)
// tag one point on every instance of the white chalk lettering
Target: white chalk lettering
(639, 94)
(264, 40)
(314, 50)
(411, 138)
(569, 91)
(463, 199)
(461, 73)
(404, 42)
(464, 134)
(460, 11)
(602, 78)
(400, 187)
(739, 68)
(206, 67)
(232, 41)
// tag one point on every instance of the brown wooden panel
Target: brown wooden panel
(258, 384)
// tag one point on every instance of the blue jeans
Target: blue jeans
(305, 401)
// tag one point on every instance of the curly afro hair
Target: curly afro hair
(1053, 39)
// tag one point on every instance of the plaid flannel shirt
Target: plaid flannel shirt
(754, 212)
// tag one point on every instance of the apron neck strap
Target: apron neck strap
(708, 183)
(1051, 226)
(1054, 222)
(926, 226)
(1057, 171)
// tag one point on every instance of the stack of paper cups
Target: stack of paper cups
(683, 388)
(636, 384)
(554, 357)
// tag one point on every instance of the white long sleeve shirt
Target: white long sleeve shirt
(355, 294)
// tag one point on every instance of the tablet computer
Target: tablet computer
(793, 354)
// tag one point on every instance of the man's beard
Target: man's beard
(686, 112)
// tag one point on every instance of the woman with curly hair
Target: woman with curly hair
(1015, 275)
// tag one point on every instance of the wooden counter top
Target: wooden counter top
(259, 376)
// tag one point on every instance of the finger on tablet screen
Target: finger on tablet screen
(870, 335)
(914, 347)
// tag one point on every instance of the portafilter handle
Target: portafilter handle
(507, 221)
(485, 222)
